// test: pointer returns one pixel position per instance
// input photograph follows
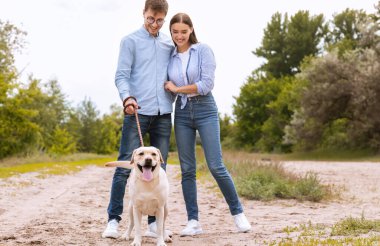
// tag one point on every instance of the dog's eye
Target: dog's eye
(141, 153)
(154, 154)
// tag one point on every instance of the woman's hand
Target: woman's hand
(170, 86)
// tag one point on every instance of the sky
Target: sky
(77, 41)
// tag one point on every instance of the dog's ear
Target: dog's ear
(159, 154)
(123, 164)
(133, 157)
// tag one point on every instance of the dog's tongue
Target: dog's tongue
(147, 174)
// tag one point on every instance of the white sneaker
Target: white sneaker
(192, 228)
(242, 223)
(152, 231)
(111, 230)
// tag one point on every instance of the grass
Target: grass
(266, 179)
(348, 231)
(355, 227)
(47, 165)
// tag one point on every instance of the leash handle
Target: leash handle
(137, 121)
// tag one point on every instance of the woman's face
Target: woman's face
(180, 34)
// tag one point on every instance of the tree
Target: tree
(287, 42)
(50, 106)
(303, 38)
(17, 131)
(63, 142)
(89, 130)
(110, 131)
(273, 47)
(251, 109)
(345, 33)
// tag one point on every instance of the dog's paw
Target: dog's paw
(135, 243)
(126, 236)
(161, 244)
(168, 239)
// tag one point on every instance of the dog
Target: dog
(148, 192)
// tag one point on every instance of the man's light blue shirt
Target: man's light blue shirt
(142, 71)
(200, 70)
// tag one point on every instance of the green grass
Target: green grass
(355, 226)
(305, 241)
(46, 165)
(348, 231)
(267, 180)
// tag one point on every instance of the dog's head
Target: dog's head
(146, 160)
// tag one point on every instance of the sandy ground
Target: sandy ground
(71, 209)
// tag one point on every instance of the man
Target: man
(140, 77)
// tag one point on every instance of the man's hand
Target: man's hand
(130, 105)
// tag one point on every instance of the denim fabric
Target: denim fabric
(159, 129)
(201, 113)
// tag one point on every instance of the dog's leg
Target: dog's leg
(167, 238)
(137, 221)
(130, 222)
(160, 226)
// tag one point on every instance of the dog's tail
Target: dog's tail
(123, 164)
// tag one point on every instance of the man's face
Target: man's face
(153, 21)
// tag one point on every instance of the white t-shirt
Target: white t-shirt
(184, 56)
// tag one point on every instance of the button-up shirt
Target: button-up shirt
(142, 71)
(200, 70)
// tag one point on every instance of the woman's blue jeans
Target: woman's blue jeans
(159, 130)
(201, 113)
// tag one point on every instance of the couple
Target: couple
(147, 59)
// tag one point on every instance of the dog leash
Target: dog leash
(138, 128)
(137, 122)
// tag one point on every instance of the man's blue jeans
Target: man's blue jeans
(159, 130)
(201, 113)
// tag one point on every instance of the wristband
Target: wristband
(126, 99)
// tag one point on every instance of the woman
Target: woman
(191, 73)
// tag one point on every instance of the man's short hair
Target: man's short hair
(161, 6)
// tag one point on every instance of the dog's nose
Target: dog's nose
(148, 161)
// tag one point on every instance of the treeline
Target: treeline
(37, 117)
(319, 87)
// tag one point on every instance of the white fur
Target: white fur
(146, 197)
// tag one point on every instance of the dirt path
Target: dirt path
(71, 210)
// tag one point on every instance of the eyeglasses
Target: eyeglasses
(151, 21)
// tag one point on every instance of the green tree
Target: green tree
(110, 131)
(303, 38)
(50, 106)
(17, 131)
(345, 33)
(90, 126)
(63, 142)
(287, 42)
(273, 47)
(251, 109)
(280, 112)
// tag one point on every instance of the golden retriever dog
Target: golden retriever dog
(148, 192)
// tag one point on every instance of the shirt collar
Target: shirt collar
(192, 47)
(146, 33)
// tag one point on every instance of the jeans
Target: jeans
(201, 113)
(159, 130)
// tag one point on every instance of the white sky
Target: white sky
(77, 41)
